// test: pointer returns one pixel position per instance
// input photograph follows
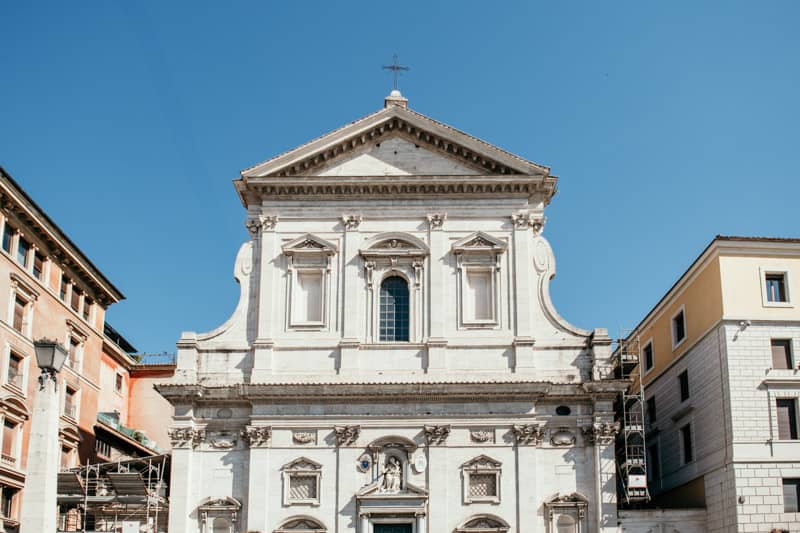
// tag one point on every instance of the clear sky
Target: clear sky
(667, 123)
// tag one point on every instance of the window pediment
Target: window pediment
(482, 462)
(302, 524)
(479, 242)
(14, 408)
(302, 463)
(309, 244)
(483, 524)
(394, 244)
(227, 503)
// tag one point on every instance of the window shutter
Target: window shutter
(781, 354)
(787, 419)
(9, 434)
(19, 314)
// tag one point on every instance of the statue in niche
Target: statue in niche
(392, 475)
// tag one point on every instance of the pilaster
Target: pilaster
(523, 295)
(259, 499)
(438, 282)
(353, 316)
(266, 242)
(184, 439)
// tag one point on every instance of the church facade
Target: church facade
(395, 363)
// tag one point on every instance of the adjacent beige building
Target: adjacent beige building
(719, 355)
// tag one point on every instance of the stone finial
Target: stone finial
(346, 435)
(436, 434)
(395, 98)
(256, 436)
(436, 220)
(351, 222)
(528, 434)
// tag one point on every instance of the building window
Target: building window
(787, 418)
(8, 238)
(651, 409)
(678, 328)
(7, 497)
(775, 287)
(63, 289)
(9, 450)
(478, 296)
(394, 309)
(87, 308)
(647, 355)
(781, 353)
(75, 300)
(301, 480)
(654, 463)
(66, 458)
(686, 443)
(683, 382)
(71, 403)
(307, 301)
(75, 353)
(481, 477)
(23, 252)
(791, 495)
(118, 382)
(38, 266)
(15, 371)
(20, 313)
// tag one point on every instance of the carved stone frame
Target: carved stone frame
(479, 252)
(308, 254)
(301, 467)
(481, 465)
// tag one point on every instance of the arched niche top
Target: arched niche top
(227, 503)
(479, 242)
(393, 441)
(309, 244)
(394, 244)
(483, 523)
(15, 407)
(70, 434)
(301, 524)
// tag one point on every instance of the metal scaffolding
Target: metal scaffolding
(124, 496)
(631, 447)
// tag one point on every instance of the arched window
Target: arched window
(394, 309)
(220, 525)
(565, 524)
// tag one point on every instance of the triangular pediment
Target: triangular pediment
(482, 461)
(309, 243)
(422, 146)
(302, 463)
(479, 242)
(373, 491)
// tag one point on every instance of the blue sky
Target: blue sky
(667, 123)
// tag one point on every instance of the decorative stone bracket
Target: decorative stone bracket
(529, 220)
(186, 437)
(346, 435)
(528, 434)
(435, 435)
(601, 432)
(256, 436)
(260, 223)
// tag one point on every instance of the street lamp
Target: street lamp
(39, 499)
(50, 356)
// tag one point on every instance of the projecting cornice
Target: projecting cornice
(390, 392)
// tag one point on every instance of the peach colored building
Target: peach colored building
(50, 289)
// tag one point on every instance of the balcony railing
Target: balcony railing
(8, 460)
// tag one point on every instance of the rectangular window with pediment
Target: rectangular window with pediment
(301, 482)
(309, 279)
(481, 477)
(478, 259)
(21, 305)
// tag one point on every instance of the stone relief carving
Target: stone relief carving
(482, 435)
(601, 432)
(223, 441)
(562, 437)
(256, 436)
(268, 222)
(261, 223)
(253, 226)
(527, 434)
(224, 413)
(436, 434)
(529, 220)
(351, 222)
(392, 476)
(521, 220)
(185, 437)
(346, 435)
(304, 437)
(436, 220)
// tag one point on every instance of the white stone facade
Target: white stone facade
(327, 404)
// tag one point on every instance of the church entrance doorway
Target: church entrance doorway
(392, 528)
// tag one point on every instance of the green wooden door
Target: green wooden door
(392, 528)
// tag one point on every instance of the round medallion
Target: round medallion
(365, 462)
(420, 463)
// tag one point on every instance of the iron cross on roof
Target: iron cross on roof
(395, 67)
